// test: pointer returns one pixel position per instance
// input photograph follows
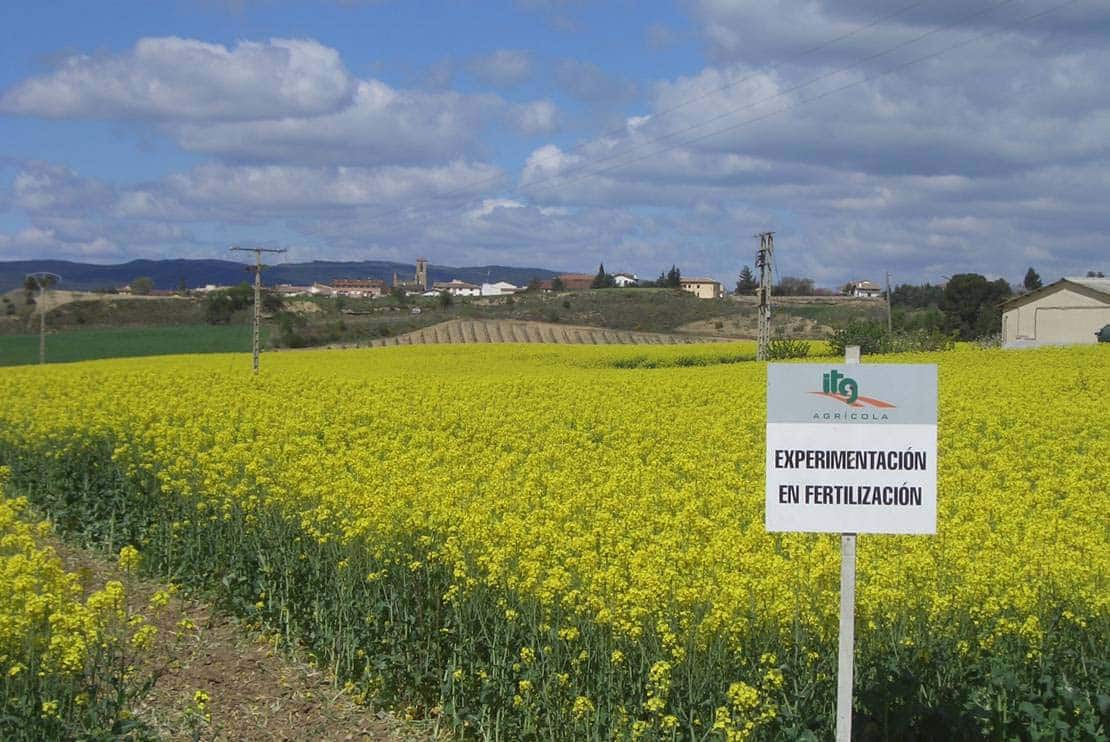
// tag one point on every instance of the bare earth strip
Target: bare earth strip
(522, 331)
(256, 692)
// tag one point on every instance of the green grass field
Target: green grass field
(87, 345)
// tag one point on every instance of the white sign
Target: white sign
(852, 448)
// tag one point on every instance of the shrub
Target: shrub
(783, 348)
(867, 335)
(873, 339)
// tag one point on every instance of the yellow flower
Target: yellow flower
(129, 559)
(582, 707)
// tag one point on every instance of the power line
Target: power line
(782, 93)
(817, 97)
(623, 130)
(585, 173)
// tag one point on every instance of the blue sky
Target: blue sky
(924, 138)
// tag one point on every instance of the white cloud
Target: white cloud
(170, 78)
(382, 125)
(227, 191)
(536, 117)
(43, 187)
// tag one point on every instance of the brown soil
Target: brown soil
(256, 691)
(746, 327)
(523, 331)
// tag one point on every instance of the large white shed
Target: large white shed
(1069, 311)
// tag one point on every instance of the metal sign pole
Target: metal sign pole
(818, 420)
(845, 666)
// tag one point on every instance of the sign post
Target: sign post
(851, 449)
(846, 653)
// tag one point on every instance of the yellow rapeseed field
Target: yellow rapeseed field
(531, 538)
(64, 651)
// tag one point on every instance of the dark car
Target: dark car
(1103, 335)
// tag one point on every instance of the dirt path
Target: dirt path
(254, 690)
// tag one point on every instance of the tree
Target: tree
(917, 297)
(142, 286)
(535, 284)
(971, 305)
(444, 299)
(182, 287)
(794, 286)
(272, 302)
(1032, 280)
(557, 284)
(746, 283)
(674, 278)
(602, 280)
(1095, 274)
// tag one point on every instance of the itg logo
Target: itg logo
(846, 389)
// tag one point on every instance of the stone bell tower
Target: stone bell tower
(422, 273)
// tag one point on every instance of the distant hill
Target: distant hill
(168, 274)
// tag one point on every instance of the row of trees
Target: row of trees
(669, 279)
(746, 284)
(220, 306)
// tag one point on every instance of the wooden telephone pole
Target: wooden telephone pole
(763, 261)
(257, 292)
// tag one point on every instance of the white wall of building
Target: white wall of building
(1064, 316)
(499, 289)
(703, 289)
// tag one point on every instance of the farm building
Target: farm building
(624, 280)
(455, 287)
(358, 287)
(501, 288)
(577, 281)
(1071, 310)
(863, 289)
(703, 288)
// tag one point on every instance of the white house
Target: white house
(500, 288)
(864, 289)
(1069, 311)
(321, 289)
(455, 287)
(624, 280)
(287, 289)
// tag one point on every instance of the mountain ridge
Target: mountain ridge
(196, 273)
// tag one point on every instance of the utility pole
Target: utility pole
(257, 292)
(43, 279)
(889, 320)
(763, 260)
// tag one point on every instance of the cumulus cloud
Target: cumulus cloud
(171, 78)
(504, 67)
(987, 158)
(43, 187)
(280, 189)
(382, 125)
(536, 117)
(922, 168)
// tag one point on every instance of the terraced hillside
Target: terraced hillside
(517, 331)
